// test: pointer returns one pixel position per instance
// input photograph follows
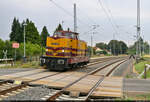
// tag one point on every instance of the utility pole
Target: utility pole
(143, 46)
(62, 23)
(110, 50)
(138, 29)
(92, 44)
(42, 46)
(93, 28)
(149, 49)
(137, 48)
(75, 19)
(24, 43)
(114, 48)
(120, 48)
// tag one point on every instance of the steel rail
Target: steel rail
(25, 84)
(3, 82)
(101, 80)
(57, 94)
(3, 92)
(103, 60)
(99, 61)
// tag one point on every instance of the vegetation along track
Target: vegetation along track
(58, 94)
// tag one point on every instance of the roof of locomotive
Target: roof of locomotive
(68, 32)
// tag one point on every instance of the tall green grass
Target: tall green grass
(141, 65)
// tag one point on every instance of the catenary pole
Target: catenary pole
(138, 29)
(24, 43)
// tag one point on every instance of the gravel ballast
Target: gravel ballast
(35, 93)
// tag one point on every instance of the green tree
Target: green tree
(16, 31)
(32, 34)
(31, 49)
(117, 47)
(102, 46)
(2, 45)
(123, 47)
(132, 48)
(44, 35)
(59, 28)
(10, 50)
(113, 46)
(146, 48)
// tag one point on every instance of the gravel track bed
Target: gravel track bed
(4, 71)
(35, 93)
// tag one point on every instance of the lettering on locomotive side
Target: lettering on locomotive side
(54, 43)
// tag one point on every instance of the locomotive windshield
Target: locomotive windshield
(64, 34)
(58, 34)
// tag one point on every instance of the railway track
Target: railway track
(15, 88)
(58, 94)
(8, 89)
(98, 61)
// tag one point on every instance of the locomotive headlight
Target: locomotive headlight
(46, 50)
(63, 50)
(55, 36)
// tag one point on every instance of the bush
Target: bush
(31, 49)
(2, 44)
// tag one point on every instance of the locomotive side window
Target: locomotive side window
(72, 36)
(59, 34)
(68, 35)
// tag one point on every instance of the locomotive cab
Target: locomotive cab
(66, 34)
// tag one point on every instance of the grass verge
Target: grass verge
(143, 97)
(139, 67)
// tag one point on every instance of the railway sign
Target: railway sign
(15, 45)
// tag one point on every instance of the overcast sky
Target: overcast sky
(89, 12)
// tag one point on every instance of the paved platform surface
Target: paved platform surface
(136, 86)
